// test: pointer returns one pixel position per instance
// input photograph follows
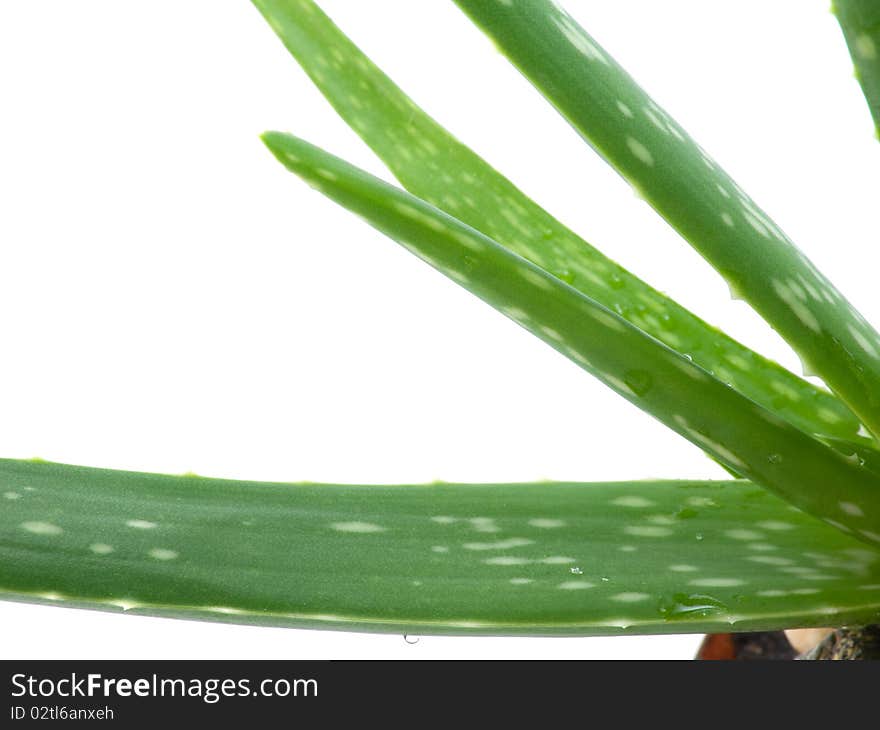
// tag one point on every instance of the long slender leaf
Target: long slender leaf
(860, 22)
(734, 430)
(689, 189)
(433, 165)
(568, 559)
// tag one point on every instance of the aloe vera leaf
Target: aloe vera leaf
(860, 22)
(865, 454)
(546, 558)
(729, 427)
(688, 188)
(432, 164)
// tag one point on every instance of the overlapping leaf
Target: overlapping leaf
(432, 164)
(563, 559)
(737, 432)
(688, 188)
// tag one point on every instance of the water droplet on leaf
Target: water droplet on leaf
(807, 369)
(685, 605)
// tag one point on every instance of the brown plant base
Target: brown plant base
(746, 646)
(861, 643)
(848, 644)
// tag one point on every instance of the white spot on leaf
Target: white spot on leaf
(41, 528)
(647, 531)
(639, 151)
(632, 501)
(141, 524)
(546, 524)
(362, 527)
(162, 554)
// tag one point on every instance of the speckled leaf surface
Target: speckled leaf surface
(860, 22)
(688, 188)
(432, 164)
(737, 432)
(568, 559)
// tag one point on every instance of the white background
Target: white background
(173, 301)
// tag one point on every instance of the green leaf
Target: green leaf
(860, 22)
(679, 179)
(571, 559)
(734, 430)
(433, 165)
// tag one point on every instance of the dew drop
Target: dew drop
(775, 458)
(576, 570)
(616, 281)
(685, 605)
(410, 639)
(699, 536)
(855, 459)
(808, 370)
(567, 275)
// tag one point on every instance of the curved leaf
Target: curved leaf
(567, 559)
(860, 22)
(734, 430)
(687, 187)
(433, 165)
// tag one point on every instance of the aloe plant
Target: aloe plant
(860, 22)
(792, 540)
